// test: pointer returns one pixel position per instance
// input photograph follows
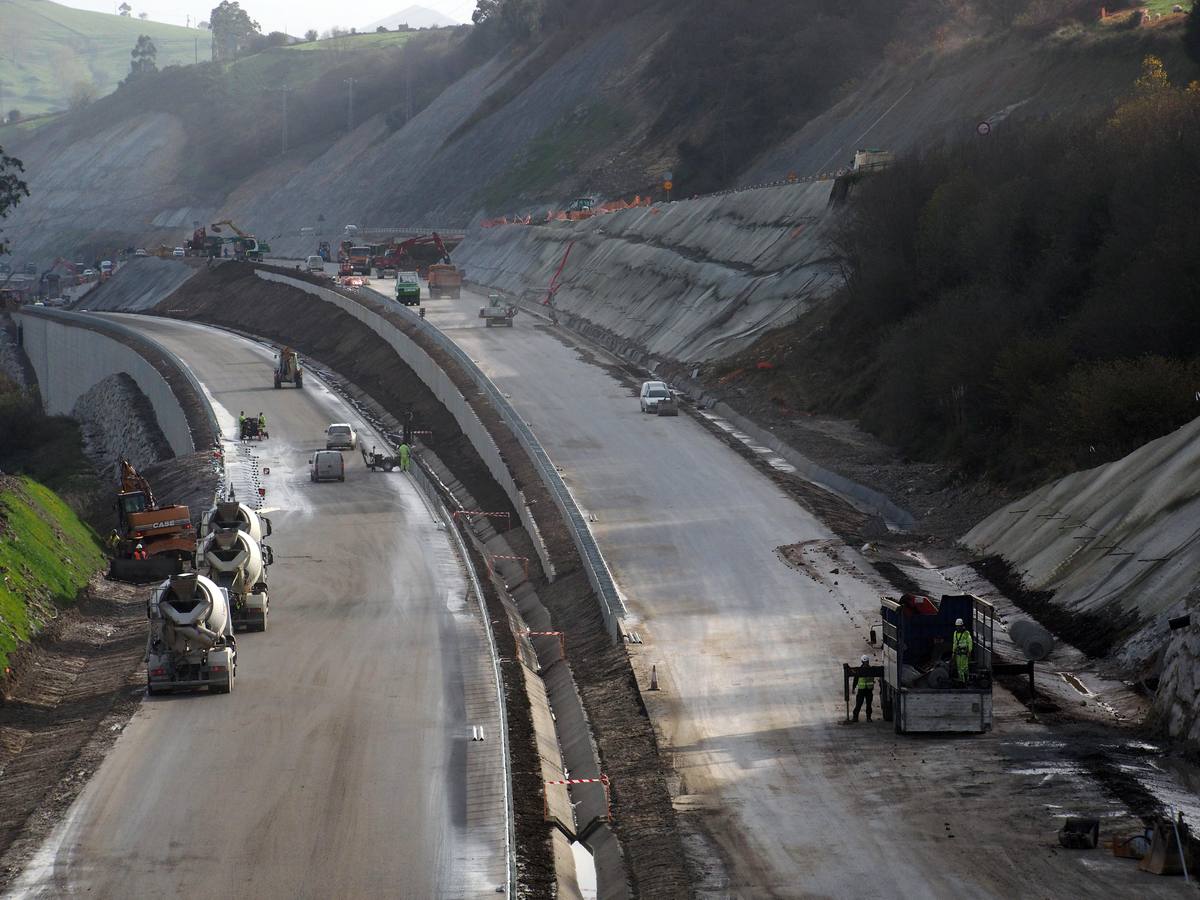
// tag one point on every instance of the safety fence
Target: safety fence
(611, 206)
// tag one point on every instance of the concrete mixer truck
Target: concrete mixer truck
(235, 561)
(191, 642)
(232, 514)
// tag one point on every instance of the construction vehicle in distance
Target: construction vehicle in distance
(418, 253)
(920, 690)
(408, 289)
(358, 258)
(164, 532)
(445, 280)
(235, 561)
(191, 642)
(204, 244)
(228, 514)
(245, 246)
(581, 208)
(288, 369)
(871, 160)
(497, 312)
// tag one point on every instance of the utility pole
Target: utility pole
(350, 104)
(283, 137)
(407, 89)
(196, 51)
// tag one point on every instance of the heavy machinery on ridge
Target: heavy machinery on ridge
(245, 245)
(164, 532)
(288, 368)
(191, 642)
(236, 562)
(417, 253)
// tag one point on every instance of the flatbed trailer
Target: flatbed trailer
(920, 690)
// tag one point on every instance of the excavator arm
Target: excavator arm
(132, 480)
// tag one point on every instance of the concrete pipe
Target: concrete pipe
(1033, 640)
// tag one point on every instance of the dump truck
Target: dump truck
(359, 257)
(497, 312)
(235, 561)
(408, 289)
(164, 532)
(232, 514)
(921, 690)
(445, 281)
(191, 643)
(288, 369)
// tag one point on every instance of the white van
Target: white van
(327, 465)
(315, 264)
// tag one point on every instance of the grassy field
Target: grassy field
(47, 48)
(46, 557)
(356, 41)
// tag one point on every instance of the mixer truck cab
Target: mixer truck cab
(327, 465)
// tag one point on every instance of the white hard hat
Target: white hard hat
(958, 623)
(866, 658)
(138, 547)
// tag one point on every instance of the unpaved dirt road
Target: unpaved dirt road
(785, 799)
(338, 766)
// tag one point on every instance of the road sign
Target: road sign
(667, 185)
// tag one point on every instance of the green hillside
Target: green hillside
(48, 48)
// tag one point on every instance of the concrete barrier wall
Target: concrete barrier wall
(70, 357)
(443, 388)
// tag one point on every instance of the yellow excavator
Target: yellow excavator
(245, 245)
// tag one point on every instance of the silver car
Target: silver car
(340, 436)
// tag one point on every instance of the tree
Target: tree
(382, 29)
(12, 189)
(124, 9)
(143, 16)
(81, 94)
(143, 57)
(232, 29)
(14, 116)
(1191, 34)
(310, 35)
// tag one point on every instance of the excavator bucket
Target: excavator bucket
(1166, 856)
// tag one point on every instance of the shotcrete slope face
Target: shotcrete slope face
(338, 765)
(692, 280)
(140, 283)
(1119, 541)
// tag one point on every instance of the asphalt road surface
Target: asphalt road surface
(787, 799)
(338, 766)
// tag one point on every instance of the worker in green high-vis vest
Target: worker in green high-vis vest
(961, 649)
(405, 454)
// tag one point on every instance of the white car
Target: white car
(178, 251)
(140, 251)
(340, 436)
(315, 263)
(326, 465)
(654, 393)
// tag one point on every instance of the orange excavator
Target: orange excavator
(163, 533)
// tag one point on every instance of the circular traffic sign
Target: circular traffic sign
(983, 128)
(667, 185)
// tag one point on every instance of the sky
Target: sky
(292, 16)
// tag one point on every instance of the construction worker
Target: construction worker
(241, 425)
(864, 687)
(405, 452)
(139, 553)
(962, 648)
(262, 423)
